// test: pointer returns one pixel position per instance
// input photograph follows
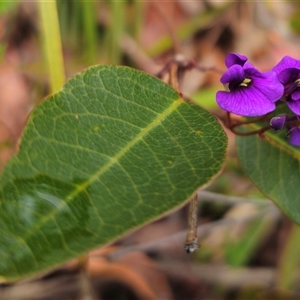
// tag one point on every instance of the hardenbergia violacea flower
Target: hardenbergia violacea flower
(288, 73)
(249, 92)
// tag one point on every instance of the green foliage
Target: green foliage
(273, 166)
(114, 149)
(95, 41)
(78, 22)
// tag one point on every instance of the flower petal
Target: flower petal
(294, 106)
(235, 59)
(295, 137)
(288, 75)
(285, 63)
(248, 66)
(234, 74)
(295, 95)
(246, 101)
(269, 85)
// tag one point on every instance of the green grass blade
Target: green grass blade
(289, 262)
(52, 43)
(117, 27)
(90, 31)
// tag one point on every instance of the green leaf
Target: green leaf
(274, 167)
(113, 150)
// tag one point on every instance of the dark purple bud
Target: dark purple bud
(295, 137)
(277, 123)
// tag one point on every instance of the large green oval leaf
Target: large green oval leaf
(115, 149)
(274, 167)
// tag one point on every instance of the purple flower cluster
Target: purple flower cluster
(251, 93)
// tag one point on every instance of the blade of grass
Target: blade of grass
(52, 43)
(138, 13)
(90, 30)
(117, 27)
(75, 23)
(239, 252)
(289, 262)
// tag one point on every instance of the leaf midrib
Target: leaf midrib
(81, 187)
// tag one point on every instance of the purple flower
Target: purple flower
(250, 92)
(288, 72)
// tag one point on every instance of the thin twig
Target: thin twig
(191, 243)
(202, 231)
(216, 197)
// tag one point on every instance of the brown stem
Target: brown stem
(258, 131)
(191, 243)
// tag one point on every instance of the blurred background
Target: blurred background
(249, 249)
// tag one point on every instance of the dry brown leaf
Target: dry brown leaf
(136, 271)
